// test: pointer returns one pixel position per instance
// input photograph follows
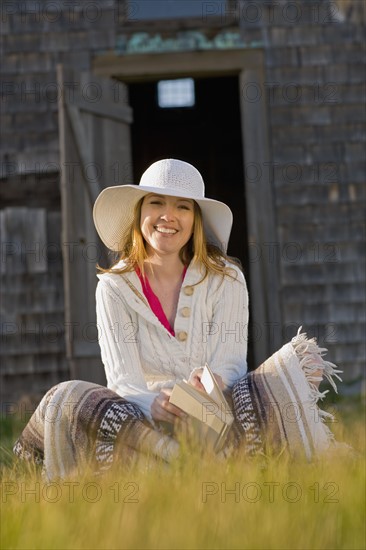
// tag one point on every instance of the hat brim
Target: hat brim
(114, 210)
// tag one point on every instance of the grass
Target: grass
(196, 503)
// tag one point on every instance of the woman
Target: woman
(173, 302)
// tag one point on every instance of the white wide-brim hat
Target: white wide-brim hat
(114, 207)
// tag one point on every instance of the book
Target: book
(209, 411)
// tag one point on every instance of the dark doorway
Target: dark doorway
(208, 135)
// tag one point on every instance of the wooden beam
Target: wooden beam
(260, 204)
(113, 111)
(93, 187)
(136, 67)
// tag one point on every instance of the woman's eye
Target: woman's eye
(180, 206)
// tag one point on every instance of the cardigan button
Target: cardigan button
(188, 290)
(182, 336)
(185, 311)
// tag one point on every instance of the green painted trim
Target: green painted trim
(143, 42)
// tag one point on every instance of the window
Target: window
(176, 93)
(172, 9)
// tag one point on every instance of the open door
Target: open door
(95, 152)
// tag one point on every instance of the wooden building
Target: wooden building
(266, 98)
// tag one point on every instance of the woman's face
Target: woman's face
(166, 223)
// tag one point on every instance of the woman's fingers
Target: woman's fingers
(169, 407)
(196, 382)
(195, 379)
(162, 409)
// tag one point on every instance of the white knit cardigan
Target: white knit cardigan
(140, 356)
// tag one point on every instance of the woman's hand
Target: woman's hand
(163, 410)
(195, 379)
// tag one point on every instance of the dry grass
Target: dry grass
(196, 503)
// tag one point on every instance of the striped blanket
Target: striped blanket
(79, 424)
(276, 405)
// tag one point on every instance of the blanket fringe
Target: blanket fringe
(311, 360)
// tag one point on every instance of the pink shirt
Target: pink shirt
(154, 301)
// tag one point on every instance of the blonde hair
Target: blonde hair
(196, 250)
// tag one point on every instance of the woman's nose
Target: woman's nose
(168, 214)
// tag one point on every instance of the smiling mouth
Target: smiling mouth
(166, 230)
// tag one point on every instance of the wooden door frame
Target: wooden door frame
(249, 66)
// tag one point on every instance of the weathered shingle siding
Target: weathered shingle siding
(316, 110)
(317, 118)
(36, 37)
(32, 307)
